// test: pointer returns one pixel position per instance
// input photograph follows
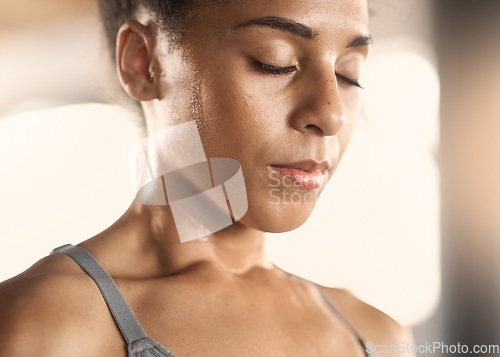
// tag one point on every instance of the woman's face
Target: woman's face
(272, 84)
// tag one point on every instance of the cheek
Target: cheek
(350, 98)
(338, 144)
(352, 113)
(236, 117)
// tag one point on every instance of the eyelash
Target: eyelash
(349, 81)
(290, 69)
(275, 70)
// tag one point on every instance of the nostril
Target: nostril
(314, 128)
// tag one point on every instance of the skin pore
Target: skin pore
(268, 83)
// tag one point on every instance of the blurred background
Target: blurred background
(409, 223)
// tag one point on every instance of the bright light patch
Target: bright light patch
(64, 179)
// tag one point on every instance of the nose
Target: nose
(320, 110)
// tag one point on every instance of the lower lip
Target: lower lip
(300, 178)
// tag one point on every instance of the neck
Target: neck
(236, 249)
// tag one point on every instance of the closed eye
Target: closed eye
(349, 81)
(267, 68)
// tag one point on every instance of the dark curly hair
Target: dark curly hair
(169, 14)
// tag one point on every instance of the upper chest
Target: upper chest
(239, 320)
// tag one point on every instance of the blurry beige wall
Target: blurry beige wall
(51, 53)
(468, 34)
(33, 13)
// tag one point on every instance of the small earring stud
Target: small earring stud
(151, 76)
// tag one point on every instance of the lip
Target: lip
(303, 174)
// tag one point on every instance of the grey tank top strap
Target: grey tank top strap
(138, 344)
(123, 315)
(344, 319)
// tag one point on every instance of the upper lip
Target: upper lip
(308, 165)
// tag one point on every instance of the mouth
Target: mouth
(303, 174)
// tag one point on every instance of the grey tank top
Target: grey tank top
(138, 343)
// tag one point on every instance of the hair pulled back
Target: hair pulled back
(169, 14)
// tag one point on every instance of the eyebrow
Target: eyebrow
(298, 29)
(282, 24)
(360, 41)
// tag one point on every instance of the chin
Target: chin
(278, 218)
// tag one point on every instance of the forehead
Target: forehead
(338, 17)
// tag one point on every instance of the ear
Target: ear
(135, 62)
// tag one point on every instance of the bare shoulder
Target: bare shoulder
(378, 330)
(53, 309)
